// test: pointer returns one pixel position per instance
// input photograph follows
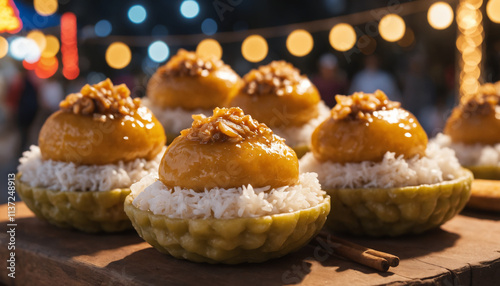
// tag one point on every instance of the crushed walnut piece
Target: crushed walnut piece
(277, 78)
(186, 63)
(101, 100)
(484, 102)
(226, 124)
(360, 105)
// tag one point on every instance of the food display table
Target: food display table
(464, 251)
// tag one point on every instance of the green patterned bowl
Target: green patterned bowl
(229, 241)
(85, 211)
(398, 211)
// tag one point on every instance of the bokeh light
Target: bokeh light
(9, 17)
(408, 39)
(45, 7)
(493, 10)
(118, 55)
(22, 48)
(4, 47)
(392, 27)
(209, 26)
(39, 38)
(366, 44)
(46, 67)
(254, 48)
(51, 46)
(299, 43)
(158, 51)
(440, 15)
(342, 37)
(190, 9)
(103, 28)
(209, 48)
(137, 14)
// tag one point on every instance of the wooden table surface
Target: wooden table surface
(465, 251)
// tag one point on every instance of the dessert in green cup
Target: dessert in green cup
(373, 158)
(228, 191)
(90, 152)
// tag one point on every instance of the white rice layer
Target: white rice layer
(471, 155)
(174, 119)
(438, 165)
(301, 135)
(152, 195)
(63, 176)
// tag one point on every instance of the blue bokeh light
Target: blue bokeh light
(190, 9)
(209, 26)
(137, 14)
(158, 51)
(103, 28)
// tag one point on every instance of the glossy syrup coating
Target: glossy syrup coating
(477, 118)
(101, 125)
(278, 95)
(363, 127)
(191, 82)
(228, 150)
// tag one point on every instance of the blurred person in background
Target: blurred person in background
(372, 77)
(330, 80)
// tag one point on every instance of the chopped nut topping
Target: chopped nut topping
(484, 102)
(190, 64)
(101, 100)
(360, 105)
(226, 124)
(275, 78)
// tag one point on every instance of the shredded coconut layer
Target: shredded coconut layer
(471, 155)
(152, 195)
(63, 176)
(438, 165)
(301, 135)
(174, 119)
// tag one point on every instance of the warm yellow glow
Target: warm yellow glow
(392, 27)
(118, 55)
(51, 46)
(299, 43)
(45, 7)
(209, 48)
(342, 37)
(39, 38)
(493, 10)
(440, 15)
(4, 47)
(254, 48)
(408, 39)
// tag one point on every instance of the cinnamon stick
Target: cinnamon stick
(369, 257)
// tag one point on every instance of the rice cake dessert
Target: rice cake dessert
(90, 152)
(228, 191)
(473, 131)
(189, 84)
(373, 159)
(279, 96)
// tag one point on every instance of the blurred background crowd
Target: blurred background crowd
(421, 69)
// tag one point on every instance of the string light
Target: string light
(190, 9)
(9, 17)
(493, 10)
(392, 27)
(118, 55)
(137, 14)
(299, 43)
(158, 51)
(254, 48)
(342, 37)
(45, 7)
(4, 47)
(440, 15)
(69, 48)
(209, 48)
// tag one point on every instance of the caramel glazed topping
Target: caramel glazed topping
(102, 100)
(230, 125)
(189, 64)
(275, 78)
(361, 105)
(485, 102)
